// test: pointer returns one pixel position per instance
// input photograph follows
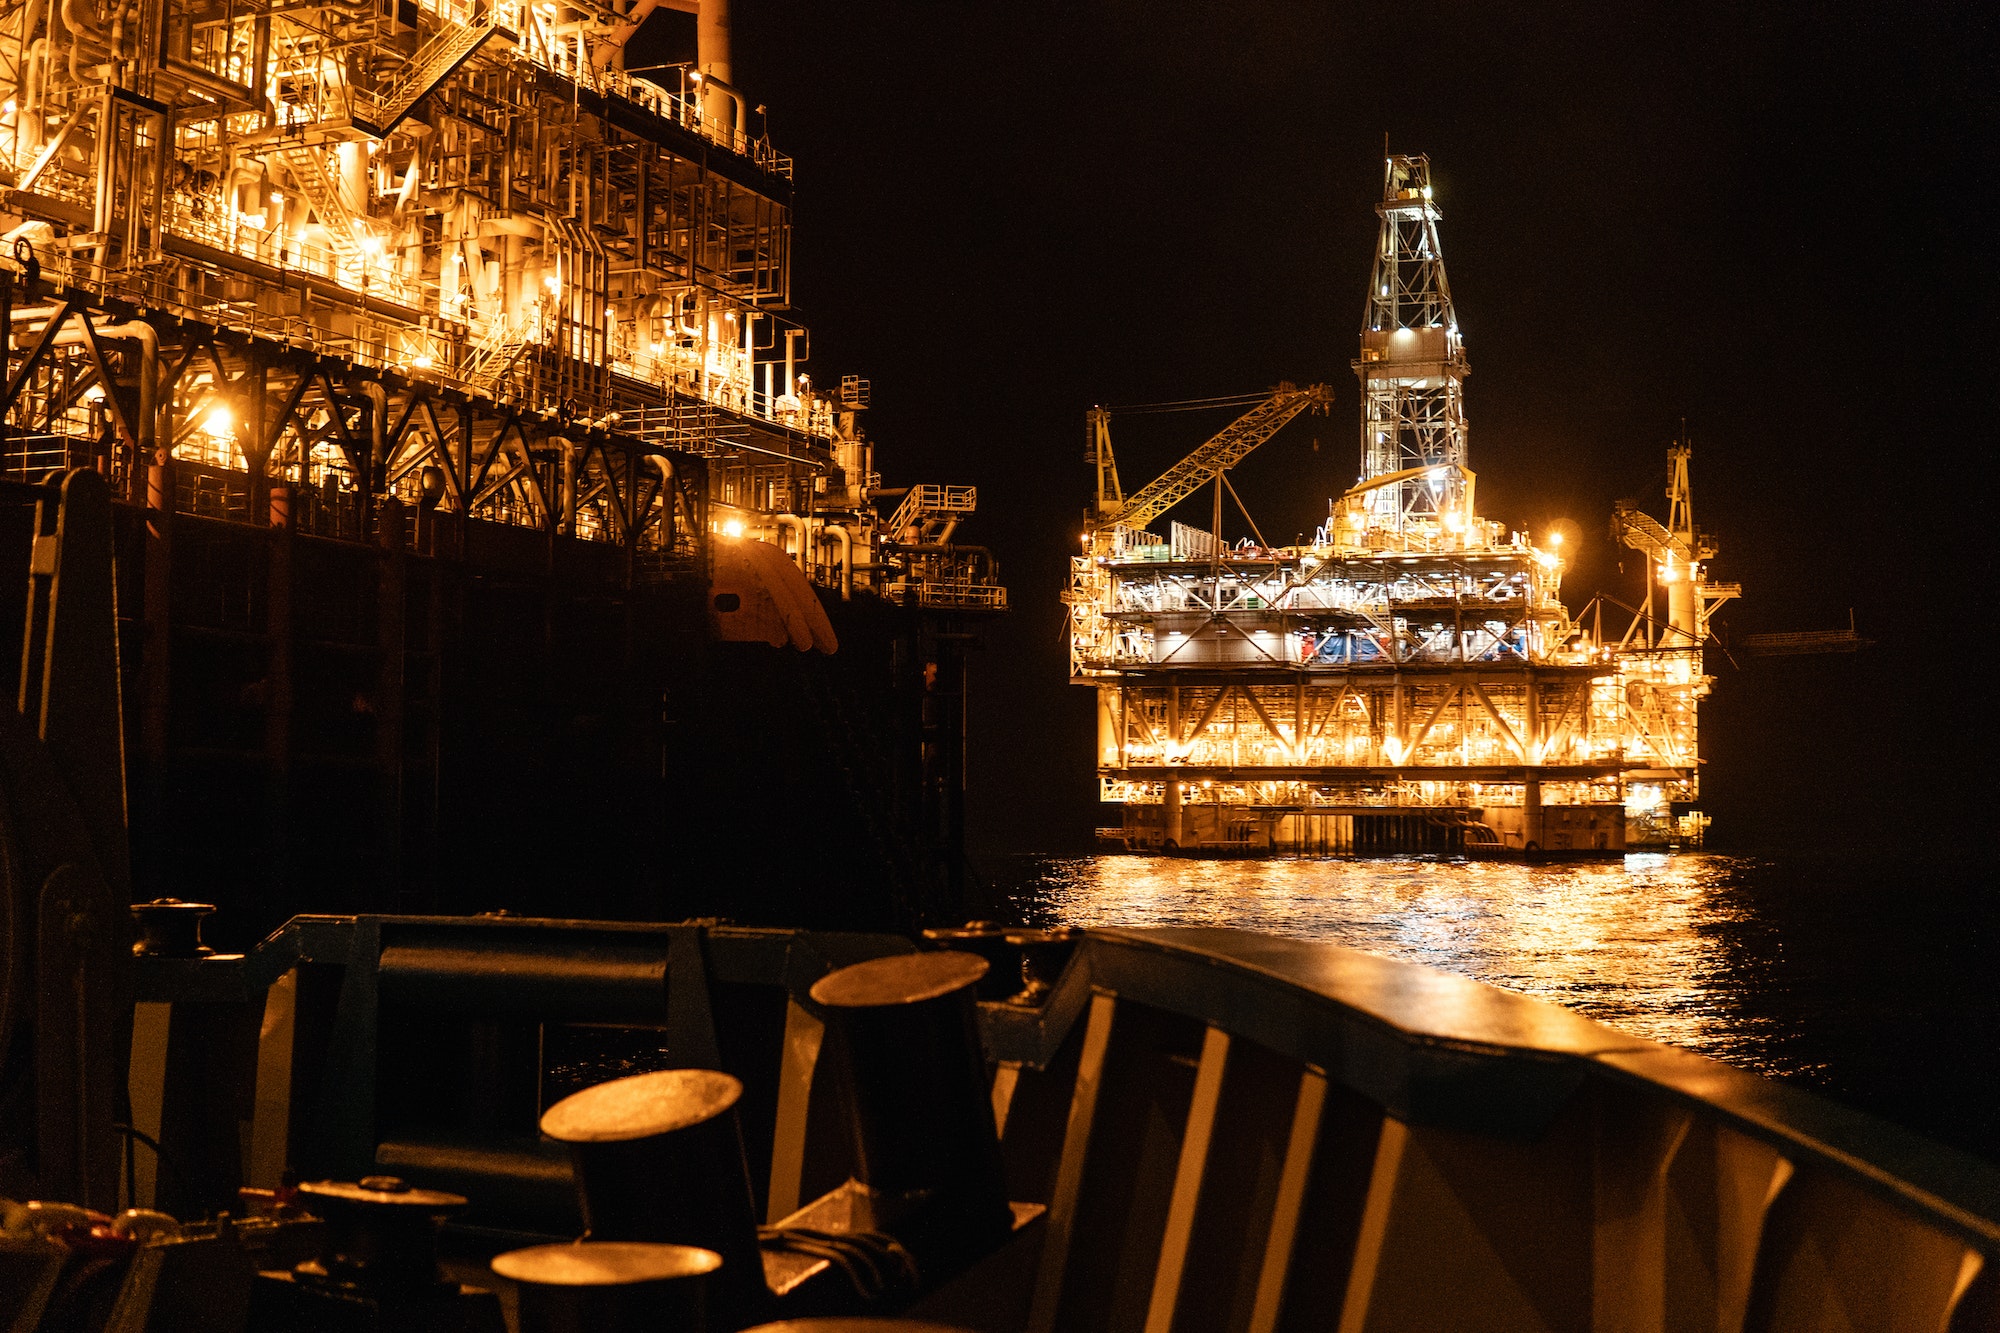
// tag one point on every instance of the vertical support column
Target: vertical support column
(468, 419)
(804, 1035)
(1397, 725)
(1531, 716)
(1107, 727)
(271, 1116)
(156, 667)
(278, 566)
(390, 605)
(256, 437)
(633, 479)
(951, 732)
(1124, 725)
(146, 1086)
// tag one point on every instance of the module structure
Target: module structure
(446, 255)
(465, 448)
(1410, 679)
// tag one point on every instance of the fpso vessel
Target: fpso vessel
(1410, 680)
(472, 492)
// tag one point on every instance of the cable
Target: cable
(166, 1164)
(1189, 404)
(876, 1263)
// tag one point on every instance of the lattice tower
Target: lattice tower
(1412, 365)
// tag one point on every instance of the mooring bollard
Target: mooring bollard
(659, 1157)
(611, 1287)
(923, 1116)
(377, 1267)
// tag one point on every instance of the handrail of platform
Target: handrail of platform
(415, 351)
(1476, 1150)
(1303, 1134)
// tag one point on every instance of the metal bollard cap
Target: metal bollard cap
(391, 1192)
(855, 1325)
(908, 978)
(604, 1263)
(641, 1106)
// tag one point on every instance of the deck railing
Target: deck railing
(1229, 1130)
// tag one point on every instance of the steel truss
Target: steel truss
(246, 429)
(1412, 366)
(452, 235)
(1412, 654)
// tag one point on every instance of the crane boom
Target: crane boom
(1224, 450)
(1639, 530)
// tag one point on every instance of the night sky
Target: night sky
(1768, 221)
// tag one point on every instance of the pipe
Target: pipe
(946, 548)
(31, 19)
(614, 44)
(31, 104)
(720, 87)
(118, 28)
(845, 540)
(797, 525)
(241, 175)
(378, 426)
(352, 177)
(85, 40)
(146, 429)
(194, 76)
(81, 27)
(711, 38)
(666, 467)
(566, 514)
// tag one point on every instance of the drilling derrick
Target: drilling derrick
(1408, 681)
(1412, 365)
(438, 293)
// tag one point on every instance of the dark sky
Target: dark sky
(1770, 221)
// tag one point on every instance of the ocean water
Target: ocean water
(1876, 982)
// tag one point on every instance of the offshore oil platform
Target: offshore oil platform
(432, 598)
(1410, 679)
(460, 435)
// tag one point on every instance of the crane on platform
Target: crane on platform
(1213, 457)
(1675, 552)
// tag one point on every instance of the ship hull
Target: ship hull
(511, 721)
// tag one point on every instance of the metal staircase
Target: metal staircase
(495, 358)
(928, 514)
(309, 175)
(434, 62)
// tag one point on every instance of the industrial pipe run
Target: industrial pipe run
(300, 200)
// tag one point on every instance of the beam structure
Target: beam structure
(1412, 654)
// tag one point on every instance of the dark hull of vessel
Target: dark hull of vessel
(488, 718)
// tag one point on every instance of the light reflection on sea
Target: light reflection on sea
(1631, 943)
(1867, 978)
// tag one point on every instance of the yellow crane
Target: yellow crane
(1220, 452)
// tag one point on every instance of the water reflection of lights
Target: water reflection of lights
(1634, 944)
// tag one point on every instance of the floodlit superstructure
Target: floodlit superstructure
(1410, 679)
(445, 377)
(443, 253)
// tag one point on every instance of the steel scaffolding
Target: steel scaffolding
(1408, 680)
(309, 257)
